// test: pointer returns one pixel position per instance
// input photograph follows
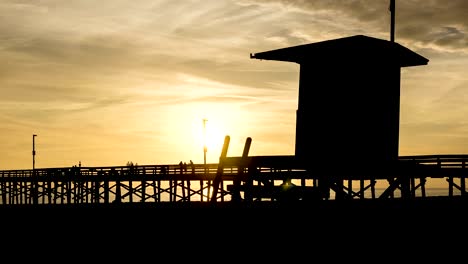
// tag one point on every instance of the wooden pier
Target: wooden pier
(236, 179)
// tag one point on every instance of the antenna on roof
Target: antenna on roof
(392, 20)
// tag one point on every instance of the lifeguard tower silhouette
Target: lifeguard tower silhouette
(349, 100)
(348, 115)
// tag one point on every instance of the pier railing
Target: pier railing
(243, 178)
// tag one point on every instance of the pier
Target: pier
(235, 179)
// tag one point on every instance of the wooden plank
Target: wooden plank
(219, 173)
(236, 197)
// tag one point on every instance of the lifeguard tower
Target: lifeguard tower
(349, 101)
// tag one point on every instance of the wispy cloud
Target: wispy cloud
(435, 23)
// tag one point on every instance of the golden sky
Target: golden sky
(110, 81)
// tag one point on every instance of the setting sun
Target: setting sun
(210, 134)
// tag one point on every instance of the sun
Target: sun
(212, 137)
(207, 125)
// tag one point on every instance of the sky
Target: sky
(112, 81)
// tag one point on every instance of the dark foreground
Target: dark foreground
(266, 230)
(342, 212)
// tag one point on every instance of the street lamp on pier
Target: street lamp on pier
(34, 196)
(205, 148)
(34, 151)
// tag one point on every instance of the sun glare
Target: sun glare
(212, 137)
(211, 119)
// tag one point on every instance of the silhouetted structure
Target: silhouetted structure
(349, 101)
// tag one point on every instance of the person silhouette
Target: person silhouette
(181, 166)
(192, 166)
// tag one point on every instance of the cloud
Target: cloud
(79, 45)
(453, 104)
(438, 23)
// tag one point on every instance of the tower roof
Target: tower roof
(359, 48)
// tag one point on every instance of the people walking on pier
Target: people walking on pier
(192, 166)
(181, 167)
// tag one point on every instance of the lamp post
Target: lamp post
(34, 152)
(34, 183)
(204, 160)
(205, 148)
(392, 20)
